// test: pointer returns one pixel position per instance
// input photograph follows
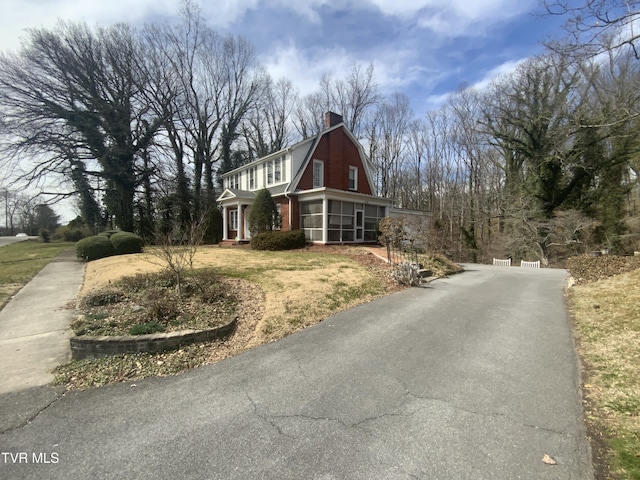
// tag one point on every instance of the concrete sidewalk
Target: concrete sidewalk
(34, 325)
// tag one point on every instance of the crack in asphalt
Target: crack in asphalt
(30, 419)
(265, 418)
(396, 411)
(457, 407)
(297, 360)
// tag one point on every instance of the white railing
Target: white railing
(502, 263)
(535, 264)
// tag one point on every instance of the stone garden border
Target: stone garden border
(87, 347)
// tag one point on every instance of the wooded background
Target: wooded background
(138, 123)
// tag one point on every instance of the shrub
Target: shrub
(106, 296)
(72, 233)
(263, 215)
(213, 230)
(278, 240)
(92, 248)
(108, 233)
(44, 235)
(126, 242)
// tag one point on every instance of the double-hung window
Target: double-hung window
(269, 172)
(353, 178)
(252, 178)
(233, 219)
(318, 173)
(277, 170)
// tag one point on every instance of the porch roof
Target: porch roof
(236, 194)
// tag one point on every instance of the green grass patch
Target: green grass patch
(606, 321)
(626, 457)
(146, 328)
(21, 261)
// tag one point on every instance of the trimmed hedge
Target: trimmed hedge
(278, 240)
(92, 248)
(126, 242)
(72, 234)
(106, 245)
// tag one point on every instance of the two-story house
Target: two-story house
(322, 185)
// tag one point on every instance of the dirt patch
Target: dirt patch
(590, 268)
(131, 367)
(150, 303)
(7, 291)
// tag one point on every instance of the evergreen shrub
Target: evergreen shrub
(71, 234)
(278, 240)
(126, 242)
(45, 235)
(92, 248)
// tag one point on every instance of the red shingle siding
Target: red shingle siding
(339, 153)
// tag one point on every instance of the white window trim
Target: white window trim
(318, 181)
(233, 219)
(277, 170)
(355, 178)
(270, 172)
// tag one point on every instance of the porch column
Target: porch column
(225, 224)
(325, 220)
(240, 223)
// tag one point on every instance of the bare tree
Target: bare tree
(596, 26)
(537, 105)
(74, 90)
(352, 97)
(217, 79)
(309, 114)
(267, 126)
(386, 134)
(355, 95)
(176, 247)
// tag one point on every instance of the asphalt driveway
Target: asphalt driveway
(473, 377)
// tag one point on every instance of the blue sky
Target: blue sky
(424, 49)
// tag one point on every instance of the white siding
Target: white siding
(298, 156)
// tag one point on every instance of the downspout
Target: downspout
(286, 190)
(286, 195)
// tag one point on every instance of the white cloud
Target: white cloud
(305, 68)
(495, 73)
(19, 15)
(433, 102)
(455, 17)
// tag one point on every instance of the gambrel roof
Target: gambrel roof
(301, 153)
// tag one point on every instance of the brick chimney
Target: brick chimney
(332, 119)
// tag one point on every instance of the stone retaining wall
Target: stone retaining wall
(95, 347)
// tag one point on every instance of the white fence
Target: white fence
(502, 263)
(507, 263)
(524, 264)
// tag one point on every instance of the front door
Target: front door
(359, 225)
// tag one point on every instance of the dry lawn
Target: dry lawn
(607, 326)
(300, 288)
(280, 293)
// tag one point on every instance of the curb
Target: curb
(86, 347)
